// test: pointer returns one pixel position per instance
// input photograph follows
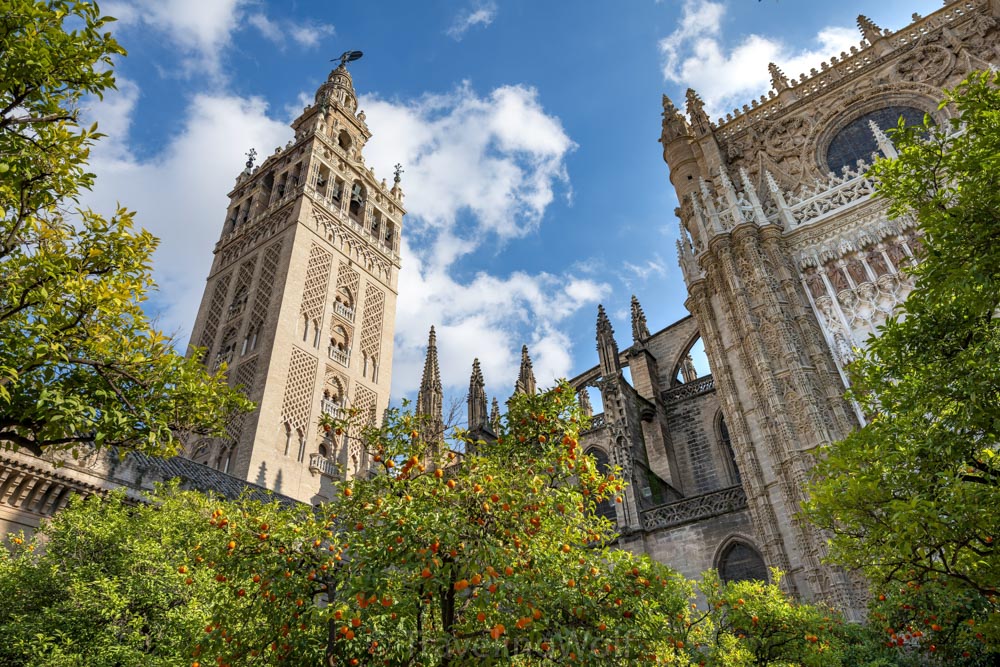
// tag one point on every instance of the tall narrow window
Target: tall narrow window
(302, 446)
(357, 207)
(727, 450)
(604, 508)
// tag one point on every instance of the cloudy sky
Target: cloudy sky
(534, 182)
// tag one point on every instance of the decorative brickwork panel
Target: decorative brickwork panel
(350, 279)
(241, 293)
(214, 314)
(265, 285)
(243, 377)
(371, 322)
(297, 404)
(317, 280)
(364, 402)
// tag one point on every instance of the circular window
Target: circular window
(856, 142)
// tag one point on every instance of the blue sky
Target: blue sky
(535, 185)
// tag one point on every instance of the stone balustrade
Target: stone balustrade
(696, 508)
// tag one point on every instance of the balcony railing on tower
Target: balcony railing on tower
(342, 357)
(343, 311)
(324, 466)
(332, 408)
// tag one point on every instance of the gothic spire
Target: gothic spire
(495, 415)
(869, 30)
(584, 398)
(696, 111)
(430, 396)
(526, 376)
(640, 331)
(674, 124)
(607, 348)
(778, 78)
(477, 398)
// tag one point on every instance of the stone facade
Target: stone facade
(790, 264)
(300, 302)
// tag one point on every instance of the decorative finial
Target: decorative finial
(869, 30)
(398, 173)
(251, 156)
(495, 415)
(603, 323)
(640, 330)
(347, 57)
(778, 78)
(526, 376)
(584, 399)
(696, 112)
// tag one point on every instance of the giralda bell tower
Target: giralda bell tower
(301, 300)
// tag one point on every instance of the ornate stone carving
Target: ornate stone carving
(697, 508)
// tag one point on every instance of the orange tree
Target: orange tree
(495, 558)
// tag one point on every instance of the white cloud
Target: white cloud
(306, 35)
(488, 317)
(479, 170)
(482, 14)
(202, 30)
(695, 56)
(474, 165)
(180, 194)
(654, 267)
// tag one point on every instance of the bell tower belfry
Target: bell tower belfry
(300, 301)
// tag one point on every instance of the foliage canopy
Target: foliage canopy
(79, 360)
(911, 498)
(499, 558)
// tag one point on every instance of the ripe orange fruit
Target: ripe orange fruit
(182, 569)
(348, 492)
(480, 617)
(425, 573)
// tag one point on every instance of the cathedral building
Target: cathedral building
(789, 262)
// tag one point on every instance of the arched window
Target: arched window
(855, 141)
(741, 562)
(227, 350)
(358, 197)
(288, 437)
(605, 508)
(250, 341)
(201, 452)
(340, 344)
(302, 445)
(725, 443)
(343, 303)
(693, 363)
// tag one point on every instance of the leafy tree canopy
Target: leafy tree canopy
(499, 558)
(79, 360)
(911, 498)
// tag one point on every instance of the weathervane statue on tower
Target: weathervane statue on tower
(348, 57)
